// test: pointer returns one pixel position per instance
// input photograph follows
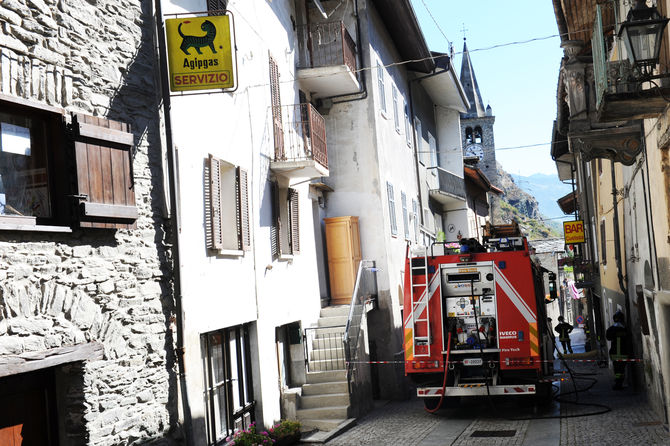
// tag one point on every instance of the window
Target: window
(396, 118)
(419, 137)
(408, 133)
(478, 135)
(39, 186)
(229, 397)
(285, 230)
(468, 135)
(603, 243)
(275, 104)
(405, 215)
(433, 150)
(227, 214)
(415, 214)
(389, 191)
(380, 79)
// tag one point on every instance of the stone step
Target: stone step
(321, 401)
(329, 331)
(326, 388)
(323, 413)
(327, 354)
(327, 365)
(338, 310)
(333, 321)
(327, 342)
(326, 376)
(322, 425)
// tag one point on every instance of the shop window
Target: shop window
(59, 171)
(227, 210)
(285, 230)
(228, 382)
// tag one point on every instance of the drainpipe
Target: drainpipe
(650, 219)
(174, 223)
(617, 246)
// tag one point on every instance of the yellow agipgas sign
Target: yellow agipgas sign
(199, 53)
(573, 231)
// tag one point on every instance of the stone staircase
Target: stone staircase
(324, 402)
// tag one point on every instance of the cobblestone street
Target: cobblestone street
(631, 421)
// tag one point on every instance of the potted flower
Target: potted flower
(285, 432)
(251, 437)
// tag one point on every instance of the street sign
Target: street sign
(573, 231)
(580, 320)
(200, 53)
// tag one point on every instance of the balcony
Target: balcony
(327, 60)
(445, 187)
(300, 142)
(620, 94)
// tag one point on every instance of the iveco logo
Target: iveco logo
(508, 333)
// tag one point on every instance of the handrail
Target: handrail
(366, 286)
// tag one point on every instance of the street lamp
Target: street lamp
(642, 33)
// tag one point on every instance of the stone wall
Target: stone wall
(106, 286)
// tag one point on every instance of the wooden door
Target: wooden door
(344, 254)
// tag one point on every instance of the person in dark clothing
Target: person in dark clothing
(619, 348)
(564, 329)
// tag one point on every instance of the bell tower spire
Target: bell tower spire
(469, 82)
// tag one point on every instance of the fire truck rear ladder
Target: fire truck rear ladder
(419, 293)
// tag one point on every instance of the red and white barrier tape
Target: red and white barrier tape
(441, 363)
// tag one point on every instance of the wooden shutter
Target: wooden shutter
(243, 230)
(104, 173)
(217, 7)
(294, 219)
(275, 101)
(215, 223)
(274, 229)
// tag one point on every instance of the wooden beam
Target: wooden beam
(105, 134)
(110, 211)
(31, 104)
(28, 362)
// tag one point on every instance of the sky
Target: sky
(518, 81)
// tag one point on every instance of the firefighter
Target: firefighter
(564, 329)
(619, 349)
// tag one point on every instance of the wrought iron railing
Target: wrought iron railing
(324, 350)
(449, 183)
(303, 132)
(326, 44)
(365, 291)
(610, 76)
(599, 58)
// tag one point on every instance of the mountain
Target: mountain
(546, 189)
(524, 207)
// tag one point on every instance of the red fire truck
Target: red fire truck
(475, 318)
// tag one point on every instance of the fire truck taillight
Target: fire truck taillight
(519, 361)
(426, 364)
(464, 258)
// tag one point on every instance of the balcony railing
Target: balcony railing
(326, 44)
(303, 135)
(449, 183)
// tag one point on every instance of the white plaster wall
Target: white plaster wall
(449, 135)
(223, 291)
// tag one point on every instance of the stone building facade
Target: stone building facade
(85, 287)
